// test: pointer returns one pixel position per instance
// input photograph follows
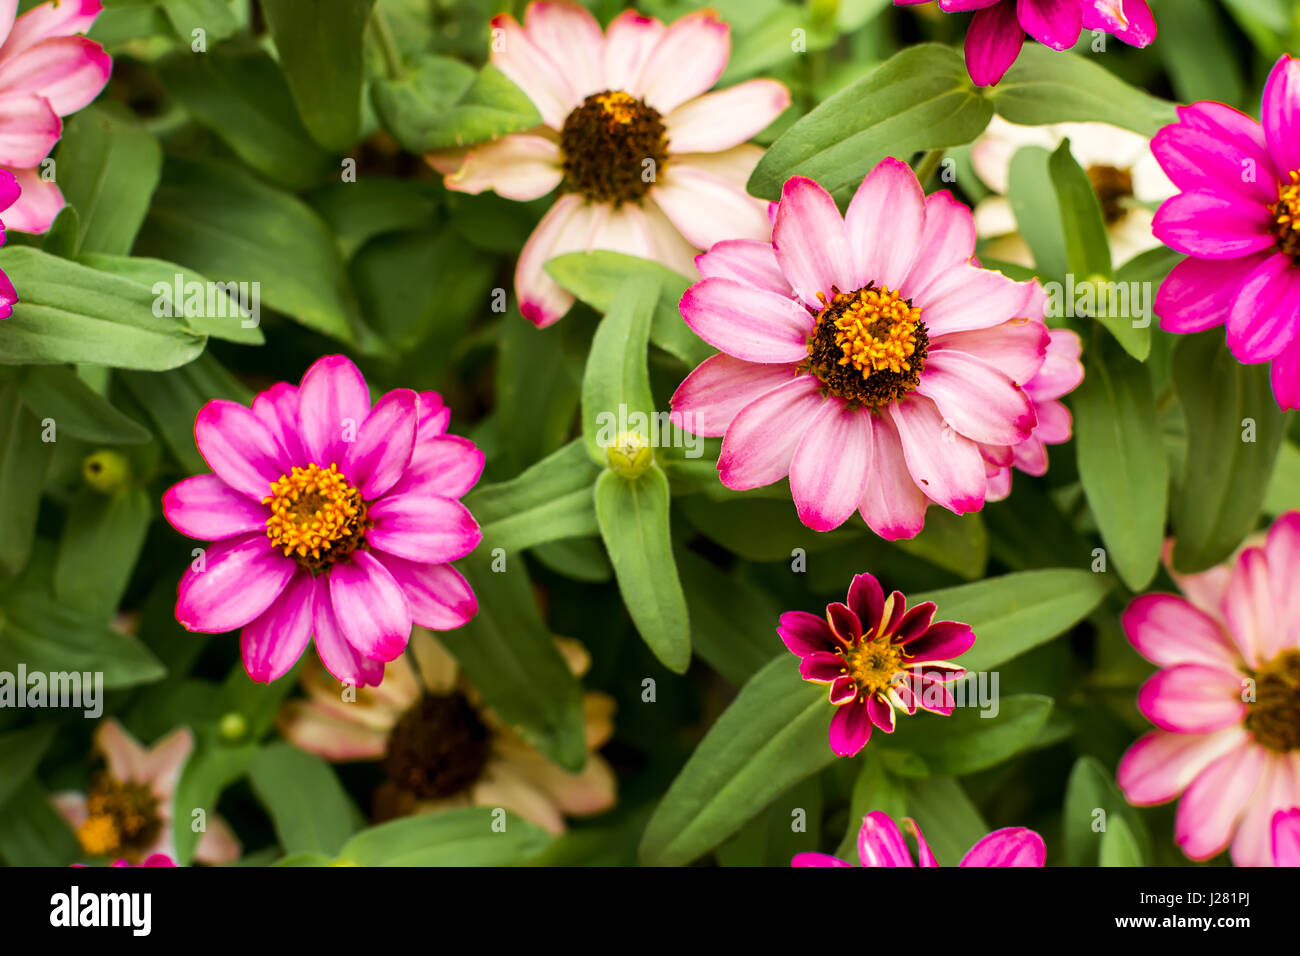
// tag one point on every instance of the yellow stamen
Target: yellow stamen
(876, 330)
(98, 835)
(619, 106)
(316, 515)
(873, 665)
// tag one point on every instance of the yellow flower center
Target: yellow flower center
(317, 517)
(873, 665)
(1286, 213)
(869, 346)
(614, 147)
(1274, 716)
(122, 819)
(619, 106)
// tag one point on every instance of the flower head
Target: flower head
(1238, 218)
(997, 31)
(1226, 700)
(867, 357)
(876, 655)
(648, 162)
(881, 843)
(331, 518)
(47, 71)
(440, 746)
(129, 809)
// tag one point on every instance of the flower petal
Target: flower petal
(240, 578)
(712, 396)
(571, 37)
(976, 399)
(707, 207)
(439, 596)
(881, 843)
(944, 464)
(1160, 765)
(382, 451)
(1054, 23)
(747, 323)
(761, 440)
(1198, 292)
(1167, 630)
(718, 121)
(206, 508)
(518, 167)
(29, 128)
(333, 403)
(1281, 113)
(423, 529)
(1010, 846)
(239, 448)
(566, 227)
(533, 71)
(369, 607)
(850, 729)
(993, 41)
(831, 465)
(1211, 226)
(751, 261)
(893, 505)
(1215, 801)
(68, 71)
(1265, 314)
(688, 60)
(947, 242)
(1193, 699)
(629, 41)
(805, 633)
(272, 642)
(811, 242)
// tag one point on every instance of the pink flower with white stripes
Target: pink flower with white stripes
(331, 518)
(648, 162)
(876, 655)
(1226, 700)
(868, 357)
(881, 843)
(47, 71)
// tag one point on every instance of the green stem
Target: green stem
(387, 45)
(929, 165)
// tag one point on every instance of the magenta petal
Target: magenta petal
(1160, 765)
(805, 633)
(944, 641)
(443, 465)
(206, 508)
(749, 261)
(1168, 630)
(993, 41)
(1198, 292)
(1012, 846)
(272, 642)
(881, 843)
(239, 448)
(1285, 375)
(1129, 20)
(68, 71)
(440, 598)
(277, 409)
(340, 658)
(843, 689)
(1281, 114)
(384, 443)
(821, 667)
(1213, 226)
(1193, 699)
(1286, 837)
(844, 623)
(866, 600)
(914, 623)
(240, 578)
(850, 729)
(423, 529)
(1265, 315)
(333, 403)
(817, 859)
(1053, 23)
(371, 611)
(881, 713)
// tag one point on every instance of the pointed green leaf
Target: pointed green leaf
(468, 836)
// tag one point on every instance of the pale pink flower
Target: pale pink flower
(881, 843)
(649, 162)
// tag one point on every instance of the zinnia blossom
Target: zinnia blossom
(876, 655)
(9, 193)
(47, 71)
(1238, 217)
(649, 163)
(1226, 699)
(881, 843)
(440, 746)
(997, 31)
(330, 518)
(1286, 837)
(867, 357)
(129, 810)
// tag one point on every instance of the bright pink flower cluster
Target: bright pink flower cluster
(881, 843)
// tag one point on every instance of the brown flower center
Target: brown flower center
(1274, 717)
(614, 147)
(122, 819)
(438, 748)
(869, 346)
(1112, 186)
(1286, 213)
(317, 517)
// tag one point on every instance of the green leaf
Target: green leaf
(950, 821)
(1234, 430)
(71, 313)
(921, 98)
(969, 740)
(594, 277)
(212, 767)
(1086, 245)
(956, 543)
(56, 392)
(772, 736)
(633, 517)
(441, 103)
(108, 169)
(1048, 87)
(733, 623)
(759, 528)
(511, 656)
(790, 825)
(217, 219)
(214, 17)
(243, 98)
(873, 789)
(616, 385)
(1090, 789)
(33, 833)
(374, 205)
(320, 48)
(20, 752)
(1122, 461)
(102, 538)
(538, 384)
(24, 463)
(1037, 208)
(1284, 488)
(308, 807)
(1200, 54)
(469, 836)
(1017, 612)
(1118, 845)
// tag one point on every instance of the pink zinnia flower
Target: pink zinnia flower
(881, 843)
(868, 357)
(997, 31)
(648, 164)
(1238, 217)
(876, 655)
(330, 518)
(47, 71)
(1286, 837)
(1225, 700)
(129, 810)
(9, 193)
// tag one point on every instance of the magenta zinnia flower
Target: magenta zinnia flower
(876, 655)
(881, 843)
(1238, 217)
(47, 71)
(1226, 699)
(647, 164)
(997, 31)
(9, 193)
(868, 357)
(330, 518)
(1286, 837)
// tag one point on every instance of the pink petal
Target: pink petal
(751, 261)
(566, 227)
(518, 167)
(811, 242)
(629, 41)
(206, 508)
(1281, 113)
(1215, 800)
(1278, 789)
(1286, 838)
(821, 667)
(866, 600)
(240, 580)
(69, 72)
(760, 443)
(968, 297)
(817, 859)
(893, 505)
(1160, 765)
(533, 70)
(1197, 160)
(1282, 552)
(382, 451)
(1016, 349)
(1062, 371)
(272, 643)
(1285, 376)
(881, 713)
(239, 448)
(340, 658)
(1210, 226)
(747, 323)
(1054, 23)
(914, 623)
(1167, 630)
(1198, 292)
(1233, 127)
(1265, 314)
(706, 206)
(718, 121)
(277, 409)
(850, 729)
(126, 758)
(36, 207)
(805, 633)
(1193, 699)
(333, 403)
(977, 400)
(444, 465)
(945, 465)
(434, 416)
(943, 641)
(1129, 20)
(1248, 607)
(993, 41)
(688, 60)
(947, 242)
(881, 843)
(884, 220)
(712, 396)
(831, 465)
(60, 19)
(423, 529)
(439, 597)
(1011, 846)
(29, 128)
(571, 37)
(369, 607)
